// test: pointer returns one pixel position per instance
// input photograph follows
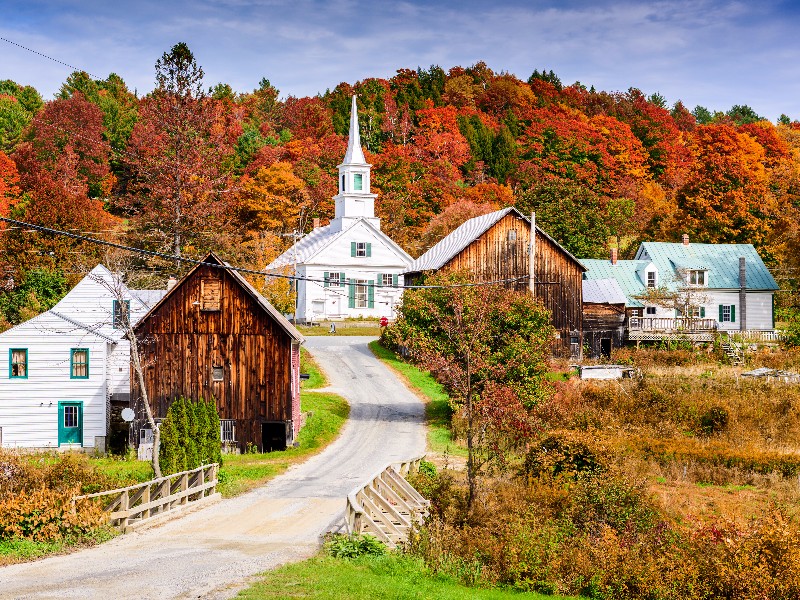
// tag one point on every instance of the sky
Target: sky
(713, 53)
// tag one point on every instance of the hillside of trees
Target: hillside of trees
(192, 167)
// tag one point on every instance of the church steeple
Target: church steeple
(354, 200)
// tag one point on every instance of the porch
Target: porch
(654, 329)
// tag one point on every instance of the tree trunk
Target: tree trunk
(137, 367)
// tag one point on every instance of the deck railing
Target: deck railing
(387, 506)
(685, 324)
(132, 505)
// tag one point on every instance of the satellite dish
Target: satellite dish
(127, 415)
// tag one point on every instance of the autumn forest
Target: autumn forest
(192, 167)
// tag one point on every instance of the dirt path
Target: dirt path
(213, 552)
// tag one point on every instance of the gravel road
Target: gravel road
(213, 552)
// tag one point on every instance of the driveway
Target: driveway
(213, 552)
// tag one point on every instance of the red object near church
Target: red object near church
(384, 321)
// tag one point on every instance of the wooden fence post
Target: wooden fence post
(123, 507)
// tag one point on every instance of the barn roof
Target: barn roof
(603, 291)
(449, 246)
(213, 259)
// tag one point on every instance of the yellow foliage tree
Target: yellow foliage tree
(274, 199)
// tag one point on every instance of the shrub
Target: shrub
(562, 455)
(190, 436)
(353, 546)
(46, 515)
(714, 420)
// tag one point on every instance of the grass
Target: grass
(437, 402)
(16, 550)
(341, 329)
(393, 576)
(326, 413)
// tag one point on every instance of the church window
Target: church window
(342, 182)
(358, 182)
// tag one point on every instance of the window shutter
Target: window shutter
(351, 294)
(720, 313)
(352, 248)
(327, 279)
(379, 280)
(733, 313)
(342, 279)
(702, 312)
(369, 249)
(394, 280)
(371, 296)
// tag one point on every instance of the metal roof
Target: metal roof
(603, 291)
(469, 231)
(720, 260)
(306, 247)
(625, 272)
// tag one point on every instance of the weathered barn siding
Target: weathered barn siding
(502, 252)
(186, 336)
(603, 321)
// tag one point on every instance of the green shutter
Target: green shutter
(326, 277)
(394, 280)
(369, 249)
(379, 280)
(342, 279)
(720, 313)
(733, 313)
(351, 294)
(352, 248)
(702, 312)
(371, 296)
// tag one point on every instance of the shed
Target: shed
(214, 336)
(496, 247)
(603, 317)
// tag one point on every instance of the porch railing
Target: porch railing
(686, 324)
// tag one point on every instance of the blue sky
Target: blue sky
(714, 53)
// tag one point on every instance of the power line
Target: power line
(61, 62)
(227, 267)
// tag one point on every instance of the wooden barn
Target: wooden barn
(214, 336)
(496, 247)
(604, 319)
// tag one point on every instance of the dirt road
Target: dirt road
(213, 552)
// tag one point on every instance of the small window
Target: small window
(122, 311)
(217, 373)
(361, 248)
(651, 279)
(386, 279)
(70, 416)
(18, 363)
(697, 277)
(358, 182)
(512, 235)
(342, 183)
(362, 294)
(334, 280)
(79, 363)
(210, 294)
(650, 310)
(727, 313)
(227, 431)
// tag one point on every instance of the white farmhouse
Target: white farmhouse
(66, 366)
(348, 268)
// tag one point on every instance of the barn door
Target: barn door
(70, 423)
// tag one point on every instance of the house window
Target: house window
(334, 279)
(217, 373)
(18, 363)
(210, 294)
(387, 279)
(361, 248)
(651, 279)
(70, 416)
(122, 311)
(696, 312)
(362, 294)
(697, 277)
(650, 310)
(79, 363)
(358, 182)
(512, 235)
(727, 313)
(227, 431)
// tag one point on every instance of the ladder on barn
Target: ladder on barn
(732, 350)
(387, 506)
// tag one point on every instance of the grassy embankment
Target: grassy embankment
(392, 576)
(365, 328)
(437, 404)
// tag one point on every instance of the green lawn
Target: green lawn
(391, 577)
(437, 406)
(341, 329)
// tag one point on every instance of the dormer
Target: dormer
(649, 275)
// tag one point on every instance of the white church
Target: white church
(348, 269)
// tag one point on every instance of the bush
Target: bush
(353, 546)
(46, 515)
(714, 420)
(190, 436)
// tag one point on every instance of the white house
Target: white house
(66, 365)
(348, 268)
(726, 285)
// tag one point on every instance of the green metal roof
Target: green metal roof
(720, 260)
(626, 272)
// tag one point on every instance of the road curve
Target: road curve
(213, 552)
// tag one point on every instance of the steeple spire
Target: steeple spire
(355, 155)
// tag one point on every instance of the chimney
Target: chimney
(742, 294)
(171, 283)
(613, 256)
(316, 222)
(685, 239)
